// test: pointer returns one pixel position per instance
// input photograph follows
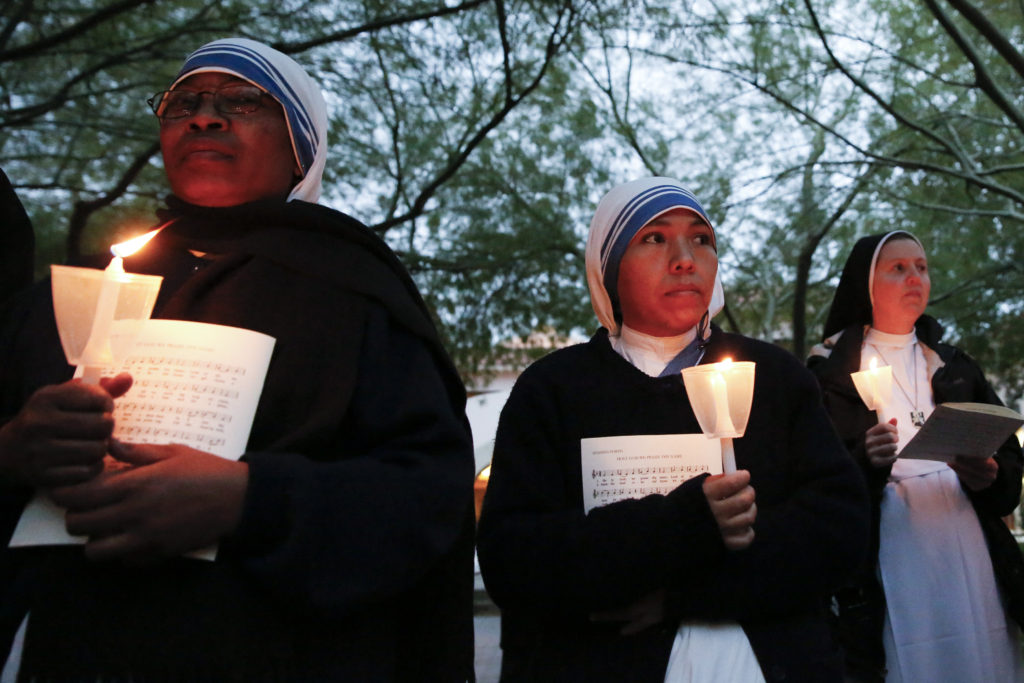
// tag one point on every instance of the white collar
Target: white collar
(898, 341)
(650, 354)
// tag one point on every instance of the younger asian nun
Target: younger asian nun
(724, 578)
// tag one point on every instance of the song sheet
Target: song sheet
(621, 467)
(195, 384)
(973, 430)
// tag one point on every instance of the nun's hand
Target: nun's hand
(639, 616)
(880, 442)
(731, 498)
(166, 501)
(60, 435)
(975, 473)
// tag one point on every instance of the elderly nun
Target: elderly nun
(345, 529)
(938, 530)
(701, 583)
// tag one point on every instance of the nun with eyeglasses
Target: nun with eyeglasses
(944, 576)
(345, 529)
(723, 578)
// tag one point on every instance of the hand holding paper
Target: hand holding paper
(648, 611)
(976, 473)
(195, 385)
(171, 501)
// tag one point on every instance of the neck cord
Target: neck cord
(916, 416)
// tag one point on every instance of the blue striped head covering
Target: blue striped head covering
(282, 78)
(620, 215)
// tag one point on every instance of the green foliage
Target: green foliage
(478, 137)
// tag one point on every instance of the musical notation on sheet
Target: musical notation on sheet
(617, 468)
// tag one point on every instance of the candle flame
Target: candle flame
(129, 247)
(726, 363)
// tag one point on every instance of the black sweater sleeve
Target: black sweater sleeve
(17, 242)
(368, 524)
(1003, 496)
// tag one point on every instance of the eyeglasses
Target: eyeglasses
(229, 100)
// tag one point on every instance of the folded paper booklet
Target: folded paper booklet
(621, 467)
(969, 429)
(194, 384)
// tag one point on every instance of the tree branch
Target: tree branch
(556, 40)
(98, 17)
(373, 26)
(977, 179)
(15, 18)
(978, 281)
(84, 209)
(506, 48)
(991, 33)
(981, 75)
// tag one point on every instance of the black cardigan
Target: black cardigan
(17, 242)
(862, 604)
(353, 559)
(547, 565)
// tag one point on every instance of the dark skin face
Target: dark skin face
(213, 159)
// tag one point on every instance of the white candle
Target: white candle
(874, 385)
(97, 354)
(876, 395)
(720, 395)
(728, 456)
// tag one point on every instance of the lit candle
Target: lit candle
(723, 421)
(873, 381)
(720, 395)
(97, 354)
(874, 385)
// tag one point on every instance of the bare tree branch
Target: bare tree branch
(89, 22)
(84, 209)
(15, 18)
(981, 74)
(980, 280)
(506, 48)
(559, 36)
(805, 260)
(621, 116)
(372, 26)
(968, 176)
(991, 33)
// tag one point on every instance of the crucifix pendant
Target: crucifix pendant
(917, 418)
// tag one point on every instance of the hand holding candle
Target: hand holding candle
(721, 395)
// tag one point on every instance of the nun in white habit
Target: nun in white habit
(933, 607)
(723, 578)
